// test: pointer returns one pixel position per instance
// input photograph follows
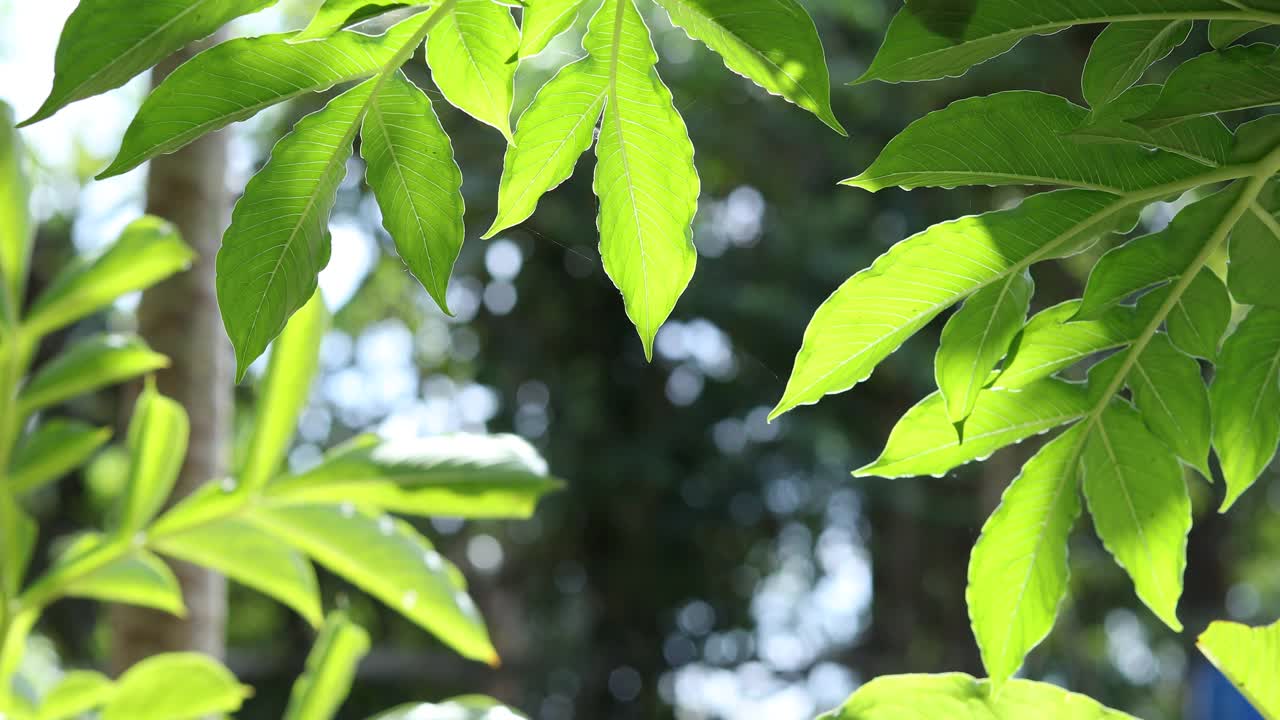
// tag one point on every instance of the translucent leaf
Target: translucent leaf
(471, 707)
(285, 387)
(1155, 258)
(388, 559)
(877, 309)
(54, 449)
(1051, 341)
(1224, 32)
(1198, 318)
(897, 697)
(237, 79)
(78, 692)
(977, 337)
(1245, 397)
(474, 476)
(175, 686)
(333, 15)
(1254, 250)
(1205, 139)
(105, 43)
(1235, 78)
(543, 20)
(924, 442)
(412, 172)
(88, 365)
(136, 578)
(930, 40)
(158, 435)
(20, 538)
(472, 52)
(330, 672)
(278, 242)
(1014, 138)
(1140, 505)
(1248, 657)
(16, 231)
(1171, 396)
(771, 42)
(1123, 52)
(1018, 570)
(148, 251)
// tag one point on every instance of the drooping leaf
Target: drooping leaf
(1235, 78)
(1123, 52)
(977, 337)
(285, 387)
(1018, 570)
(157, 441)
(1224, 32)
(771, 42)
(88, 365)
(898, 697)
(1051, 341)
(137, 578)
(474, 476)
(237, 79)
(877, 309)
(105, 43)
(543, 20)
(148, 251)
(278, 242)
(1245, 397)
(1255, 247)
(1248, 657)
(333, 15)
(931, 40)
(54, 449)
(1140, 506)
(1171, 396)
(78, 692)
(416, 181)
(388, 559)
(1205, 139)
(175, 686)
(1014, 138)
(924, 442)
(16, 232)
(470, 707)
(472, 52)
(1199, 317)
(331, 670)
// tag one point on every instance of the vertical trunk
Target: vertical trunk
(180, 318)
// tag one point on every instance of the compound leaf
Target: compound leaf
(1255, 247)
(472, 52)
(1205, 139)
(1123, 52)
(1235, 78)
(543, 20)
(1245, 397)
(1171, 396)
(1052, 341)
(1199, 318)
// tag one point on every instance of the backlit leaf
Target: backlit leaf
(543, 20)
(1199, 317)
(175, 686)
(16, 231)
(1204, 139)
(333, 15)
(1235, 78)
(899, 697)
(1123, 52)
(54, 449)
(137, 578)
(88, 365)
(78, 692)
(471, 707)
(472, 52)
(157, 441)
(1248, 657)
(1052, 341)
(330, 672)
(1172, 398)
(1255, 248)
(1224, 32)
(1245, 396)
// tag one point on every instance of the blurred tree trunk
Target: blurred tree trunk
(180, 319)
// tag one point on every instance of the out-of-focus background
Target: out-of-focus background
(703, 564)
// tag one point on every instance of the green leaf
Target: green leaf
(543, 20)
(472, 52)
(1123, 52)
(645, 176)
(1140, 506)
(295, 358)
(472, 476)
(1199, 317)
(1224, 32)
(931, 40)
(977, 337)
(1171, 396)
(1235, 78)
(278, 242)
(1205, 139)
(158, 435)
(331, 670)
(54, 449)
(251, 557)
(924, 442)
(1255, 247)
(88, 365)
(418, 184)
(148, 251)
(333, 15)
(1018, 570)
(897, 697)
(1248, 657)
(553, 132)
(237, 79)
(1156, 258)
(1245, 397)
(1052, 341)
(388, 559)
(876, 310)
(137, 578)
(175, 686)
(20, 539)
(78, 692)
(773, 43)
(470, 707)
(1014, 138)
(105, 43)
(16, 231)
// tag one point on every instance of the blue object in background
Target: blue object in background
(1214, 698)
